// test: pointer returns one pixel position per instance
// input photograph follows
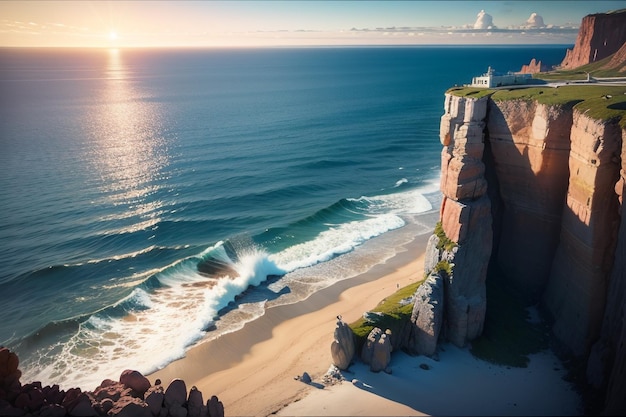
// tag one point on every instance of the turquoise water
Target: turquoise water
(152, 198)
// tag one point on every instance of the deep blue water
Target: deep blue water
(142, 191)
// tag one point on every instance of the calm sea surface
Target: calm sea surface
(153, 198)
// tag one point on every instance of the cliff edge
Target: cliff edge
(599, 36)
(533, 180)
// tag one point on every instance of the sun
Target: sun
(112, 35)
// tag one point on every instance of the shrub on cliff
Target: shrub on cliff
(445, 243)
(393, 313)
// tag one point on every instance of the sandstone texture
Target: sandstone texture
(577, 288)
(599, 36)
(465, 218)
(618, 60)
(606, 368)
(132, 396)
(538, 190)
(533, 67)
(530, 146)
(461, 133)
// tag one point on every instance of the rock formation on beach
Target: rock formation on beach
(377, 350)
(132, 396)
(599, 36)
(343, 347)
(427, 315)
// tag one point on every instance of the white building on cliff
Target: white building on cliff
(492, 79)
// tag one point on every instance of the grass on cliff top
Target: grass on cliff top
(580, 73)
(599, 102)
(508, 337)
(474, 92)
(394, 313)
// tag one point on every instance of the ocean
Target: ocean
(155, 199)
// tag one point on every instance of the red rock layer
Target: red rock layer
(618, 62)
(533, 67)
(465, 217)
(576, 292)
(599, 36)
(606, 367)
(530, 146)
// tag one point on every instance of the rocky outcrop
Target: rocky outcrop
(533, 67)
(427, 315)
(599, 36)
(342, 347)
(465, 217)
(461, 134)
(377, 350)
(132, 396)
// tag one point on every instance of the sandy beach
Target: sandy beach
(253, 370)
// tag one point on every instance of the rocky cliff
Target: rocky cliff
(599, 36)
(533, 67)
(537, 188)
(618, 61)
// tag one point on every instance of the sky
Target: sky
(252, 23)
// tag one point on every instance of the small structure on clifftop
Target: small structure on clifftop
(492, 79)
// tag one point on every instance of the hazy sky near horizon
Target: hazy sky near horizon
(291, 22)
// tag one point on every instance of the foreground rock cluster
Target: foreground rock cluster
(376, 351)
(133, 395)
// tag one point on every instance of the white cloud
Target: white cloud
(535, 21)
(483, 21)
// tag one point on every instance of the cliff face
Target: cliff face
(618, 61)
(465, 215)
(554, 214)
(576, 291)
(599, 36)
(530, 145)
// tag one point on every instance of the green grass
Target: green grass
(444, 266)
(445, 242)
(599, 102)
(394, 314)
(580, 73)
(508, 338)
(475, 92)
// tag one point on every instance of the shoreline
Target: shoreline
(252, 370)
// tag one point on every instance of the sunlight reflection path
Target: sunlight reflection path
(129, 151)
